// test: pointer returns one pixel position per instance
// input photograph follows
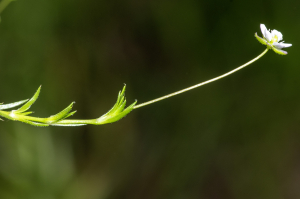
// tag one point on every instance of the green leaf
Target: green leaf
(117, 112)
(61, 115)
(26, 113)
(279, 51)
(32, 123)
(26, 106)
(119, 101)
(261, 40)
(12, 105)
(121, 114)
(69, 115)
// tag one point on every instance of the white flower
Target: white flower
(272, 40)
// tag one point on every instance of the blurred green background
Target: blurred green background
(235, 138)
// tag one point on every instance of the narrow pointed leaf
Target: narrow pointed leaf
(280, 52)
(26, 106)
(119, 100)
(69, 115)
(33, 123)
(120, 108)
(113, 118)
(261, 40)
(60, 115)
(12, 105)
(26, 113)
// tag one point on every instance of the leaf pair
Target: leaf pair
(59, 119)
(117, 112)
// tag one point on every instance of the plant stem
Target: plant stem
(75, 121)
(202, 83)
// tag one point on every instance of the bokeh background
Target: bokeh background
(235, 138)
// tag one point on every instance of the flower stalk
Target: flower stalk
(202, 83)
(270, 39)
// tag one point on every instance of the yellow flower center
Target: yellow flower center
(274, 39)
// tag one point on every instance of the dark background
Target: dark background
(235, 138)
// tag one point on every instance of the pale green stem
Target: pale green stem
(6, 114)
(36, 119)
(74, 121)
(201, 84)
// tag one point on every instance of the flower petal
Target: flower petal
(276, 33)
(265, 32)
(263, 29)
(268, 35)
(281, 45)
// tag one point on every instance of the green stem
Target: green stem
(201, 84)
(8, 115)
(75, 121)
(35, 119)
(5, 114)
